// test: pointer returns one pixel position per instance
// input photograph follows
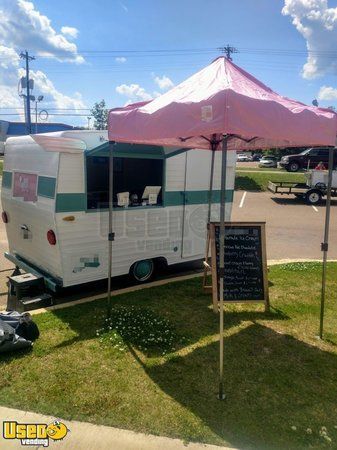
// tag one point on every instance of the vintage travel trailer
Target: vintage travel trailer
(55, 205)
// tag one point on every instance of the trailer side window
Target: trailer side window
(131, 175)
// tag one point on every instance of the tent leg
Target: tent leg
(209, 213)
(111, 235)
(222, 260)
(210, 193)
(325, 244)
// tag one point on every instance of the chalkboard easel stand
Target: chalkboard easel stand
(211, 266)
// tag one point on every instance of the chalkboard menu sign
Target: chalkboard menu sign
(245, 274)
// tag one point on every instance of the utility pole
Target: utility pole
(228, 50)
(27, 58)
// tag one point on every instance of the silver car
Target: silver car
(268, 161)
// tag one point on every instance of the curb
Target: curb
(84, 435)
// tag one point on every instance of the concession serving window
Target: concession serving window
(133, 178)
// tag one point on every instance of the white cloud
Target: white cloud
(318, 25)
(9, 98)
(163, 82)
(120, 59)
(53, 97)
(327, 93)
(134, 92)
(70, 31)
(22, 26)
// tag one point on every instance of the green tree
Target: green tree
(100, 113)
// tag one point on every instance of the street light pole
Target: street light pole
(35, 116)
(38, 100)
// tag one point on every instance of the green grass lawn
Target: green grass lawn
(280, 380)
(266, 169)
(242, 167)
(250, 181)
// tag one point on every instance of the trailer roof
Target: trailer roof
(93, 143)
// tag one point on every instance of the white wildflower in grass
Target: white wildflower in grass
(323, 431)
(293, 428)
(309, 431)
(300, 267)
(140, 327)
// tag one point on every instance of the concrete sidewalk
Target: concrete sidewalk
(86, 436)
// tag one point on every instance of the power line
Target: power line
(188, 51)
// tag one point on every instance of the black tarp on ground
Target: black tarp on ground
(17, 331)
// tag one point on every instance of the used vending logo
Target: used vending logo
(35, 433)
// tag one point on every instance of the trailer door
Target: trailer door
(195, 203)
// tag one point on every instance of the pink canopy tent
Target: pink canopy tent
(223, 99)
(221, 104)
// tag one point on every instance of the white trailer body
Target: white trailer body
(58, 183)
(319, 178)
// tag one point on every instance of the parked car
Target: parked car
(244, 158)
(257, 157)
(309, 158)
(268, 161)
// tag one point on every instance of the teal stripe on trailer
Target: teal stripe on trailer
(176, 198)
(71, 202)
(78, 202)
(46, 187)
(7, 179)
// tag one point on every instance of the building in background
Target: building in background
(9, 129)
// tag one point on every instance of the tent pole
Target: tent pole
(222, 259)
(325, 244)
(111, 235)
(210, 193)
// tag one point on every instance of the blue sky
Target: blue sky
(256, 27)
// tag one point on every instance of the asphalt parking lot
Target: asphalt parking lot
(294, 231)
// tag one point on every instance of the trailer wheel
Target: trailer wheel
(142, 271)
(313, 197)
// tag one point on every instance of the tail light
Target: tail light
(4, 217)
(51, 237)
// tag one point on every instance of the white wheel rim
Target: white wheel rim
(314, 197)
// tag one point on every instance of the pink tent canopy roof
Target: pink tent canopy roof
(223, 99)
